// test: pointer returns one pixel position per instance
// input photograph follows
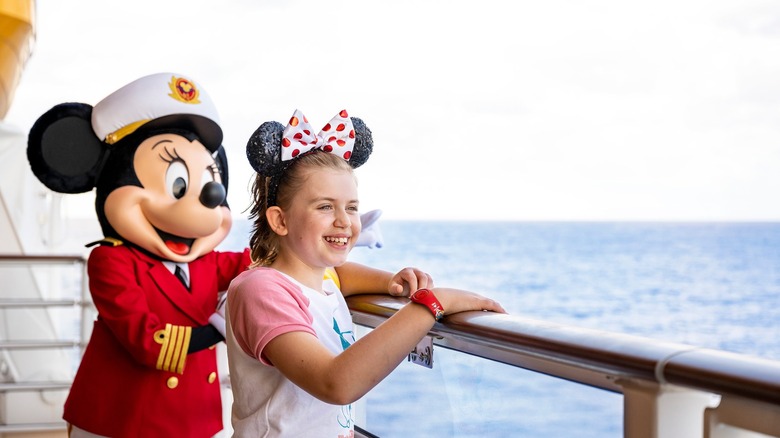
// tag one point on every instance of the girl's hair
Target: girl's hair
(264, 243)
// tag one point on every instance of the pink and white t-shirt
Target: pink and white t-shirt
(264, 303)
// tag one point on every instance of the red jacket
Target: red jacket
(136, 378)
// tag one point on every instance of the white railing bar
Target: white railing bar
(34, 386)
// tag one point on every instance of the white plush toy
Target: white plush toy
(370, 235)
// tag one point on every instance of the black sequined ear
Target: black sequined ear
(264, 149)
(364, 143)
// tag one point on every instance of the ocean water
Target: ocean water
(714, 285)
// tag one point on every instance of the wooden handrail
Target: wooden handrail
(592, 357)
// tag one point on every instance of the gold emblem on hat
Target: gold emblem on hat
(183, 90)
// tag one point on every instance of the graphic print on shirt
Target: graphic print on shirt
(345, 418)
(347, 337)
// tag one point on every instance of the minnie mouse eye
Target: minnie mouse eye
(176, 179)
(179, 188)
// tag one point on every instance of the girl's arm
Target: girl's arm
(344, 378)
(360, 279)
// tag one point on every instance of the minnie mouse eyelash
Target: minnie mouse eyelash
(171, 156)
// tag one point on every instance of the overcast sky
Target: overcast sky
(509, 110)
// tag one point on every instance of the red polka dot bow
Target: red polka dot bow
(337, 137)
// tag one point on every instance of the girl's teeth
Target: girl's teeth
(339, 240)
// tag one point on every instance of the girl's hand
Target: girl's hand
(408, 280)
(456, 300)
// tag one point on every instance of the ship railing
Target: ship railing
(36, 273)
(669, 390)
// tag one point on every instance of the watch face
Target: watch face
(420, 294)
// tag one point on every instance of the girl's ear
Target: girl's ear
(275, 217)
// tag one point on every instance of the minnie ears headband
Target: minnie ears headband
(273, 147)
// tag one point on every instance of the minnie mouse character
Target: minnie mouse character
(152, 150)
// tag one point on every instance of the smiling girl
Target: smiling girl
(295, 366)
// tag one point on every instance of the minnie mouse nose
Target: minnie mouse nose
(212, 195)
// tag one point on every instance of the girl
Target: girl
(288, 329)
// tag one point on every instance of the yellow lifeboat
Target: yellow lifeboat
(17, 35)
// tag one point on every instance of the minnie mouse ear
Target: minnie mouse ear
(364, 143)
(63, 150)
(264, 149)
(222, 164)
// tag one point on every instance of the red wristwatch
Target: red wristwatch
(428, 299)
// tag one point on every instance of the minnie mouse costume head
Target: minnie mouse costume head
(152, 150)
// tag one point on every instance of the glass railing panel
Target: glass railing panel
(465, 396)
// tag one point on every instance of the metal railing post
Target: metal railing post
(25, 390)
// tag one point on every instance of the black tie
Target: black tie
(179, 273)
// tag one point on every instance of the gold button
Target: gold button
(173, 382)
(212, 377)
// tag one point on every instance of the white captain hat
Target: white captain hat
(158, 100)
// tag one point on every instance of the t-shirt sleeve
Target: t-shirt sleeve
(263, 305)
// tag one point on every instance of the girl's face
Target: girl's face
(322, 223)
